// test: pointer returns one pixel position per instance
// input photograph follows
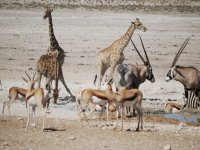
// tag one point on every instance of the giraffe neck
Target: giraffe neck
(53, 41)
(123, 42)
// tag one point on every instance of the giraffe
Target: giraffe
(54, 49)
(113, 55)
(50, 65)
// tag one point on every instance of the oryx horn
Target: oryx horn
(144, 50)
(180, 51)
(137, 50)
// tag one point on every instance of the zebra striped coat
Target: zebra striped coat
(192, 98)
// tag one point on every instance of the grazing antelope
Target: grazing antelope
(38, 97)
(128, 97)
(189, 77)
(131, 76)
(96, 97)
(15, 93)
(113, 55)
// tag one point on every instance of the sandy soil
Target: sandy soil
(82, 33)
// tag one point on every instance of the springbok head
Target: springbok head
(149, 72)
(30, 81)
(139, 25)
(47, 12)
(170, 74)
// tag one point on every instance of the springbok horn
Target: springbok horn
(34, 75)
(144, 50)
(180, 51)
(137, 50)
(28, 75)
(24, 79)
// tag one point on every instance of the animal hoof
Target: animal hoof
(137, 130)
(128, 130)
(72, 98)
(48, 111)
(107, 124)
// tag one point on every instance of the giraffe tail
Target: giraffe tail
(95, 79)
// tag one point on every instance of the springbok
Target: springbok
(99, 99)
(38, 97)
(188, 76)
(15, 93)
(126, 97)
(171, 107)
(131, 76)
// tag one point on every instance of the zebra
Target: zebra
(192, 99)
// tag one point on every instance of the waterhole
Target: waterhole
(183, 118)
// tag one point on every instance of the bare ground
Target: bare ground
(82, 33)
(66, 134)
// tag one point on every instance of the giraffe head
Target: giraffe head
(139, 25)
(47, 12)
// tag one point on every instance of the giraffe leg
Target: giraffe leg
(48, 83)
(39, 80)
(63, 82)
(112, 69)
(101, 71)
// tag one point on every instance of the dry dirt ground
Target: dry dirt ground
(82, 34)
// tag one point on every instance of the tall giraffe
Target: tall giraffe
(54, 49)
(113, 55)
(50, 65)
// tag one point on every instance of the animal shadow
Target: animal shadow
(53, 129)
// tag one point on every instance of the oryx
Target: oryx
(132, 75)
(188, 76)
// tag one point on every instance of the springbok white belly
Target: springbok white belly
(21, 98)
(98, 101)
(32, 102)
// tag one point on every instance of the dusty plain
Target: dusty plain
(24, 37)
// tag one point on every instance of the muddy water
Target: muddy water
(183, 118)
(187, 115)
